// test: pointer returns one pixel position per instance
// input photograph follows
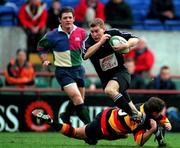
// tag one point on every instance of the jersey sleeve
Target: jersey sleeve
(163, 120)
(138, 136)
(44, 45)
(126, 35)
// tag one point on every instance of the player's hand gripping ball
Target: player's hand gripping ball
(116, 40)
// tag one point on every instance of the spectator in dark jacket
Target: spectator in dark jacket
(118, 14)
(162, 10)
(53, 21)
(143, 56)
(163, 80)
(136, 81)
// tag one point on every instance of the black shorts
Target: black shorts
(122, 77)
(93, 129)
(68, 75)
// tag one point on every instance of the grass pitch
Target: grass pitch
(56, 140)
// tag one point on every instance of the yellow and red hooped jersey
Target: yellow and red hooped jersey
(115, 123)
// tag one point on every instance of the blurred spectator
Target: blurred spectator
(53, 21)
(173, 115)
(1, 83)
(162, 10)
(163, 80)
(143, 56)
(33, 17)
(136, 81)
(89, 84)
(118, 14)
(19, 72)
(87, 10)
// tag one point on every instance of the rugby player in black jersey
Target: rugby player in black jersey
(109, 64)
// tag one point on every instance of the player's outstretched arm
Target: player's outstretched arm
(149, 132)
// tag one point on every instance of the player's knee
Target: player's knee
(77, 99)
(109, 91)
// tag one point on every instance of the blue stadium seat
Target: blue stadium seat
(104, 1)
(132, 2)
(177, 9)
(138, 27)
(71, 3)
(139, 15)
(8, 16)
(18, 3)
(48, 3)
(153, 24)
(172, 25)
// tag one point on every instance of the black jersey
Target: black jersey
(105, 60)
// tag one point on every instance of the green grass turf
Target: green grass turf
(55, 140)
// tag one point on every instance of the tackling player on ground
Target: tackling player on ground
(112, 124)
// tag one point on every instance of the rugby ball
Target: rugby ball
(116, 40)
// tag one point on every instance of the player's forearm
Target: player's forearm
(92, 50)
(147, 135)
(132, 42)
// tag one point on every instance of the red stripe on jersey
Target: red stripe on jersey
(103, 122)
(67, 129)
(118, 123)
(138, 136)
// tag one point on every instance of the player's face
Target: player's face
(165, 74)
(97, 32)
(67, 20)
(156, 115)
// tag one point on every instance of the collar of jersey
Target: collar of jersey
(60, 29)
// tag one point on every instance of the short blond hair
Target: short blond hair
(97, 22)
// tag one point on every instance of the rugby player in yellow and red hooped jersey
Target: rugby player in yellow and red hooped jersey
(66, 44)
(112, 124)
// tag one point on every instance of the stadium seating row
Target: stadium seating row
(51, 82)
(8, 15)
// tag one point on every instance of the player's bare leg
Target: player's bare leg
(112, 89)
(77, 103)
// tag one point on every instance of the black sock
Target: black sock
(70, 109)
(82, 113)
(56, 126)
(65, 129)
(122, 103)
(126, 96)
